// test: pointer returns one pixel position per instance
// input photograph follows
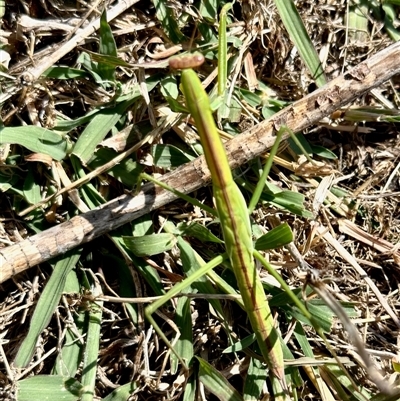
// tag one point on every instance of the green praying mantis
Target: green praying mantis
(232, 212)
(235, 222)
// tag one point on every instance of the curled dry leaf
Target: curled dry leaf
(316, 169)
(39, 157)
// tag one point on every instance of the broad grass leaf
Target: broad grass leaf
(122, 393)
(168, 21)
(149, 245)
(216, 383)
(169, 156)
(48, 388)
(108, 47)
(36, 139)
(298, 34)
(46, 306)
(277, 237)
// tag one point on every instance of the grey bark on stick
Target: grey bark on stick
(189, 177)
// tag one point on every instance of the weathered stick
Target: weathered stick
(298, 116)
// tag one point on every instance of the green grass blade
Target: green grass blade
(69, 359)
(357, 22)
(63, 72)
(168, 156)
(198, 231)
(209, 9)
(46, 306)
(222, 50)
(108, 47)
(2, 8)
(277, 237)
(122, 393)
(215, 383)
(241, 345)
(391, 23)
(306, 347)
(261, 182)
(190, 389)
(282, 199)
(46, 387)
(294, 25)
(148, 245)
(126, 171)
(89, 193)
(178, 288)
(184, 345)
(148, 272)
(168, 21)
(31, 189)
(91, 353)
(174, 291)
(255, 379)
(190, 264)
(36, 139)
(97, 130)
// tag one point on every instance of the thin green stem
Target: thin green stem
(187, 198)
(173, 292)
(222, 50)
(267, 167)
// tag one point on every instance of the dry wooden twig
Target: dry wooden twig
(298, 116)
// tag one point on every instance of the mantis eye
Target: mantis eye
(188, 61)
